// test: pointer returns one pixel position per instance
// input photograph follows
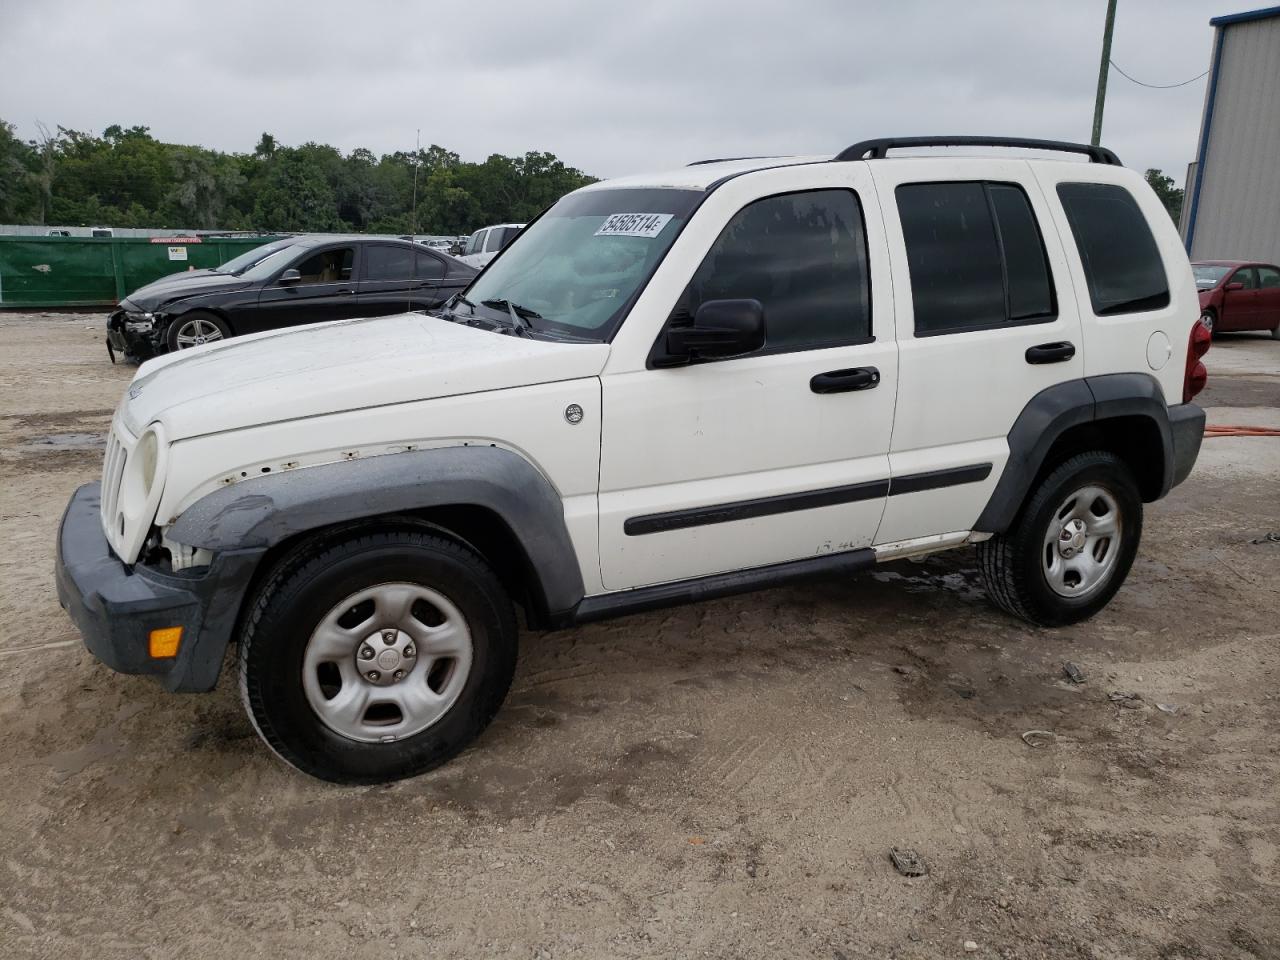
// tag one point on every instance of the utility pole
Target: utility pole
(417, 161)
(1103, 69)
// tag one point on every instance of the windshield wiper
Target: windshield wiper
(520, 316)
(450, 308)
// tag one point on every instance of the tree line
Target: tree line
(127, 178)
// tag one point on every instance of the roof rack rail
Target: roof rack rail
(877, 149)
(698, 163)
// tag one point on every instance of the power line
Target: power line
(1157, 86)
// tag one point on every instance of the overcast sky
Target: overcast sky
(609, 87)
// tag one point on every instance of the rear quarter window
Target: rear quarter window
(1119, 255)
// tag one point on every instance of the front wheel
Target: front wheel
(376, 656)
(195, 329)
(1210, 321)
(1072, 546)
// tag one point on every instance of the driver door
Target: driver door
(777, 455)
(325, 291)
(1239, 307)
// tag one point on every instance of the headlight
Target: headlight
(148, 450)
(139, 321)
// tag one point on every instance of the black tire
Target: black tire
(194, 318)
(1275, 332)
(1012, 564)
(305, 587)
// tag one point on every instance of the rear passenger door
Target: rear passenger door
(986, 320)
(428, 272)
(1269, 298)
(386, 279)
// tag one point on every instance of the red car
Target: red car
(1238, 295)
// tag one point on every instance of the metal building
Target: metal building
(1232, 208)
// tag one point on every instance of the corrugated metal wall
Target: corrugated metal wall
(1238, 215)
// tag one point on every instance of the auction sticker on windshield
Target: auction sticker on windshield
(633, 225)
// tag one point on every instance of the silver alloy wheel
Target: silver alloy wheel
(387, 662)
(1207, 319)
(1082, 543)
(197, 330)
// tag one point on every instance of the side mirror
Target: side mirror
(721, 328)
(1237, 285)
(290, 276)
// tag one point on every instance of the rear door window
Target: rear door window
(385, 262)
(1119, 255)
(975, 256)
(1268, 278)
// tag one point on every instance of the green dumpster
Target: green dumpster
(99, 272)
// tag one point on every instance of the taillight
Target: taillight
(1196, 375)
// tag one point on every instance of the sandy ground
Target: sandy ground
(721, 780)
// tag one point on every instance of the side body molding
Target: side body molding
(259, 513)
(1052, 412)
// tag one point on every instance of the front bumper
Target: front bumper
(132, 338)
(116, 606)
(1186, 430)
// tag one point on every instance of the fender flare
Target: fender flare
(1053, 411)
(259, 513)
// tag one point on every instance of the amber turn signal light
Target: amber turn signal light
(164, 642)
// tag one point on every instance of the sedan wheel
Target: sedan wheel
(196, 329)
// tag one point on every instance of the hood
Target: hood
(343, 365)
(178, 286)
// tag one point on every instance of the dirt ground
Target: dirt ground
(720, 780)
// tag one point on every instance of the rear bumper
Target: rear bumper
(116, 606)
(1186, 430)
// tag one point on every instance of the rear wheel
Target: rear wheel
(377, 656)
(1072, 546)
(195, 329)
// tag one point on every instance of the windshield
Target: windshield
(1208, 275)
(237, 265)
(579, 266)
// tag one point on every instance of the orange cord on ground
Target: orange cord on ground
(1216, 430)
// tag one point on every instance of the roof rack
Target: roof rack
(877, 149)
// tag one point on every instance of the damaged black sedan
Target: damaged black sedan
(282, 284)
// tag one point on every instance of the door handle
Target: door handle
(345, 291)
(1051, 352)
(843, 381)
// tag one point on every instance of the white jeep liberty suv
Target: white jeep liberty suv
(668, 388)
